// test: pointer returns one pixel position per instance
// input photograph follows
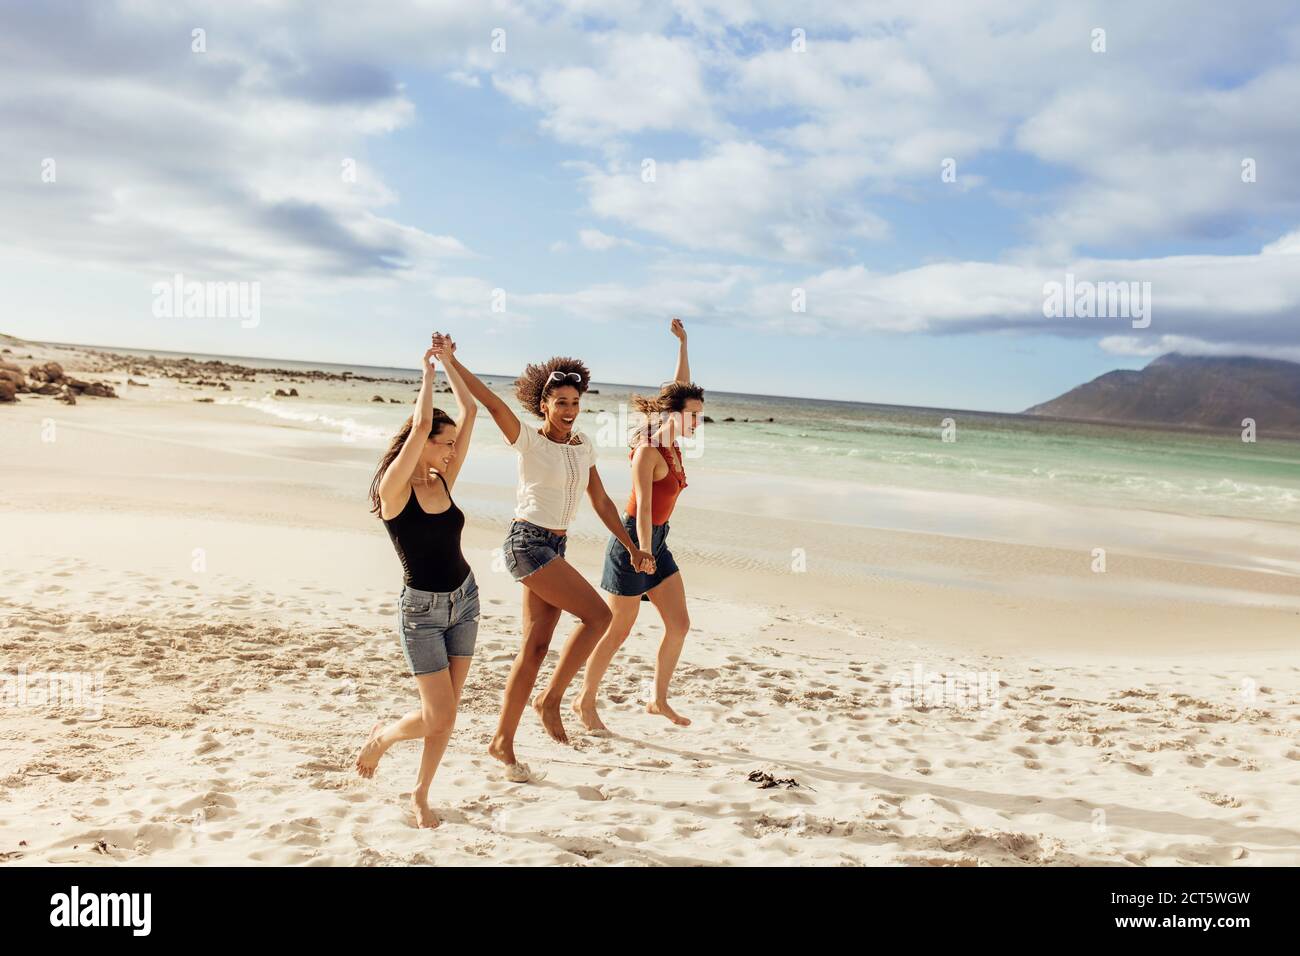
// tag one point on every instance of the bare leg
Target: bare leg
(670, 599)
(438, 725)
(560, 585)
(408, 727)
(624, 610)
(540, 619)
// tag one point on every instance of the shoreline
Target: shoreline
(1137, 528)
(221, 580)
(413, 378)
(958, 592)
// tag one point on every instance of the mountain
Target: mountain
(1192, 390)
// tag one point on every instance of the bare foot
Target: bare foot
(661, 708)
(371, 751)
(550, 714)
(425, 818)
(515, 772)
(503, 750)
(588, 717)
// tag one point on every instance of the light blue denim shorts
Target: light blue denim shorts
(438, 625)
(530, 548)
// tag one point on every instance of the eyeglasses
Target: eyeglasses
(573, 377)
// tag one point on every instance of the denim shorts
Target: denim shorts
(621, 578)
(437, 625)
(529, 548)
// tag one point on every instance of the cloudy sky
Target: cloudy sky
(596, 167)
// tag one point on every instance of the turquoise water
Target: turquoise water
(1016, 456)
(894, 447)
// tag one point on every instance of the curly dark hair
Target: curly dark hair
(534, 384)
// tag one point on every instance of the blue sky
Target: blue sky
(777, 169)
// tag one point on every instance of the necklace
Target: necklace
(572, 439)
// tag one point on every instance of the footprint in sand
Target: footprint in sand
(1030, 758)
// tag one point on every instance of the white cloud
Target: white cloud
(1220, 304)
(635, 83)
(465, 78)
(597, 241)
(1216, 298)
(1163, 344)
(1288, 245)
(742, 198)
(228, 163)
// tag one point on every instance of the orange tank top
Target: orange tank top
(664, 492)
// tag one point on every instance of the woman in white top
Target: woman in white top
(557, 466)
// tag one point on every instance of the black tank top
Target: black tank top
(428, 545)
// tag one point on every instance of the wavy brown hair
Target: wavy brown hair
(532, 387)
(440, 421)
(672, 397)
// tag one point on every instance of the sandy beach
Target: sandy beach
(210, 580)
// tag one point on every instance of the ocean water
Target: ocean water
(861, 463)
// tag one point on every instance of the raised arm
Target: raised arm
(683, 373)
(500, 411)
(393, 484)
(467, 409)
(641, 560)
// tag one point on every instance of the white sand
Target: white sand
(1131, 726)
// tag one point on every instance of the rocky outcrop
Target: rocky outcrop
(49, 372)
(48, 380)
(94, 389)
(1189, 390)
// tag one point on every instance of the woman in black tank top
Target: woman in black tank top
(428, 544)
(439, 605)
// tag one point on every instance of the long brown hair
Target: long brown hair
(440, 421)
(672, 397)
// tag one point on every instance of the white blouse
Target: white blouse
(552, 477)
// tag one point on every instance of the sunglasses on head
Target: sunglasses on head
(573, 377)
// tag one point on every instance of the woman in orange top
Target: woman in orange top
(658, 477)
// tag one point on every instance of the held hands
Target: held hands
(678, 329)
(643, 561)
(427, 365)
(443, 347)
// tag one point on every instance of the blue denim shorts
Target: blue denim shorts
(437, 625)
(529, 548)
(621, 578)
